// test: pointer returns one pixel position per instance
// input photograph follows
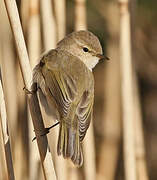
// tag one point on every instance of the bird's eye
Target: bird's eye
(85, 49)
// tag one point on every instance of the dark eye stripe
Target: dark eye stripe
(85, 49)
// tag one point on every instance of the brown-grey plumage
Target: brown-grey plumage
(84, 38)
(66, 82)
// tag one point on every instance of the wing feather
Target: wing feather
(62, 90)
(84, 113)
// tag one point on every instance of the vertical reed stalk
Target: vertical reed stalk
(127, 92)
(5, 133)
(3, 165)
(34, 32)
(49, 27)
(141, 166)
(139, 137)
(22, 141)
(24, 11)
(89, 154)
(80, 15)
(8, 70)
(112, 125)
(34, 47)
(60, 18)
(45, 155)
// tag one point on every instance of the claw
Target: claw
(34, 139)
(46, 131)
(33, 90)
(28, 91)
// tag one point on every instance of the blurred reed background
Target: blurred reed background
(121, 141)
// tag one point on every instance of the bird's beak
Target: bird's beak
(102, 57)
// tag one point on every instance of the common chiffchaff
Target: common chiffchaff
(66, 86)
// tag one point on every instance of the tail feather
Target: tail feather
(69, 144)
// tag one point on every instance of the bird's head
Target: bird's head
(85, 45)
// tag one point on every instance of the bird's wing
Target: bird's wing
(61, 88)
(85, 112)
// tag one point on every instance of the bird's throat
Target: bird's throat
(91, 62)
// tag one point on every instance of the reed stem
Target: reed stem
(45, 155)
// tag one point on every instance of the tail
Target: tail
(69, 144)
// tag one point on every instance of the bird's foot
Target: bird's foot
(33, 90)
(46, 131)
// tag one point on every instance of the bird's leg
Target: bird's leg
(47, 130)
(33, 90)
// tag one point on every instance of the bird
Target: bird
(65, 83)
